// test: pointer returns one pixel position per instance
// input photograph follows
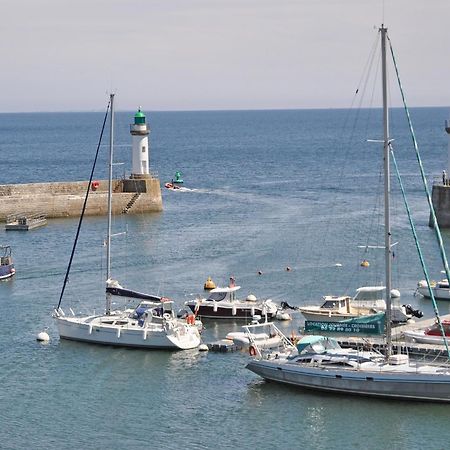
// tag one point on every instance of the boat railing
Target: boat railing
(285, 343)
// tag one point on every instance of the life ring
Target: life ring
(95, 185)
(252, 350)
(190, 319)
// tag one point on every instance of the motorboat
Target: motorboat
(152, 324)
(222, 303)
(429, 335)
(440, 289)
(368, 300)
(319, 362)
(269, 338)
(7, 269)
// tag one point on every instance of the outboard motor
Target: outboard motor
(413, 312)
(286, 305)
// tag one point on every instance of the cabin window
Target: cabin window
(143, 149)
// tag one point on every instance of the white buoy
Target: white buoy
(203, 348)
(43, 337)
(338, 265)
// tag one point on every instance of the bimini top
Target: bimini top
(369, 293)
(316, 344)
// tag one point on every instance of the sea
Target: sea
(270, 190)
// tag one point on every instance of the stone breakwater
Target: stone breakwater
(65, 199)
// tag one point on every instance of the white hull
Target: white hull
(421, 338)
(439, 293)
(89, 329)
(262, 340)
(394, 384)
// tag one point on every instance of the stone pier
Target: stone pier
(65, 199)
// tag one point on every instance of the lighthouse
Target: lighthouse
(140, 150)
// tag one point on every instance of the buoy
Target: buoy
(203, 348)
(259, 272)
(338, 265)
(365, 263)
(209, 284)
(288, 269)
(95, 185)
(43, 337)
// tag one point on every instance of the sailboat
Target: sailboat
(319, 363)
(152, 324)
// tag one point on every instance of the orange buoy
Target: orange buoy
(95, 185)
(365, 263)
(252, 350)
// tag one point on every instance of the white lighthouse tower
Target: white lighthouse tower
(140, 150)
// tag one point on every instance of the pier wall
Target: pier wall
(65, 199)
(441, 203)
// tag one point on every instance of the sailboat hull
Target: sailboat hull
(408, 386)
(89, 329)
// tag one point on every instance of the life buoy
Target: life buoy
(95, 185)
(252, 350)
(190, 320)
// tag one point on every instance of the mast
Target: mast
(387, 191)
(108, 236)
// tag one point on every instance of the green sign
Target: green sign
(361, 325)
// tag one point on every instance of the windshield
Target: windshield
(217, 296)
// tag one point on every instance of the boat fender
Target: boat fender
(214, 306)
(252, 350)
(233, 310)
(95, 185)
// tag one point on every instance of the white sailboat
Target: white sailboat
(152, 324)
(319, 363)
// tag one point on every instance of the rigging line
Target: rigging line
(419, 250)
(422, 171)
(84, 208)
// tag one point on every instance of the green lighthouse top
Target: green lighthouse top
(139, 118)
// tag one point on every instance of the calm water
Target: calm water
(273, 189)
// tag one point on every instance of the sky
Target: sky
(66, 55)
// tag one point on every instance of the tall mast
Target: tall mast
(108, 237)
(387, 191)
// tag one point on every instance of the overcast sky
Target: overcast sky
(65, 55)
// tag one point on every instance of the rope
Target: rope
(419, 250)
(430, 203)
(66, 278)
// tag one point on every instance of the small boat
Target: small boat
(367, 301)
(222, 303)
(441, 290)
(209, 284)
(269, 338)
(430, 335)
(7, 269)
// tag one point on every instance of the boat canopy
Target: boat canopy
(317, 344)
(369, 293)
